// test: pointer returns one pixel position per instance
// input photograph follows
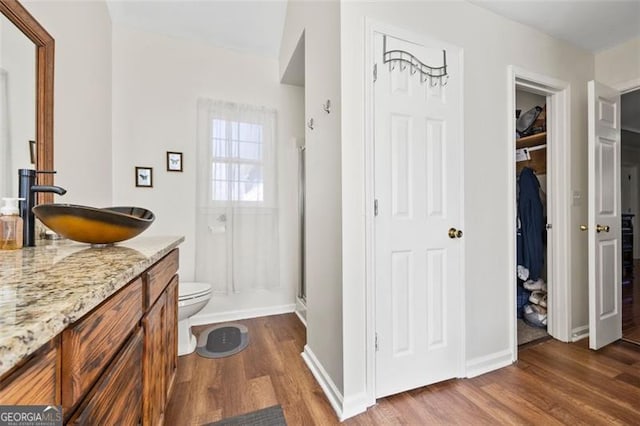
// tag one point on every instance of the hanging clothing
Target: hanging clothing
(531, 218)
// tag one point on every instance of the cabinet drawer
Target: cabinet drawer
(89, 344)
(36, 382)
(117, 397)
(158, 277)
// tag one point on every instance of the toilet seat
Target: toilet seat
(192, 290)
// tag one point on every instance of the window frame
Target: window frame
(230, 160)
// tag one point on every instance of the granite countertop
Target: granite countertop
(45, 288)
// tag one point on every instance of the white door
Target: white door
(605, 275)
(418, 188)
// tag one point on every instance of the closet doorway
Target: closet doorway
(539, 175)
(531, 206)
(630, 208)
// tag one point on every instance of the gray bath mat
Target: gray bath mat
(272, 416)
(223, 340)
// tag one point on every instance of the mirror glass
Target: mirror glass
(17, 105)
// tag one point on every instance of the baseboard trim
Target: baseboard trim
(302, 319)
(322, 377)
(301, 311)
(487, 363)
(242, 314)
(354, 405)
(579, 333)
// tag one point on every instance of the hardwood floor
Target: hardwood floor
(552, 383)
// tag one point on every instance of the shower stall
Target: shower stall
(302, 288)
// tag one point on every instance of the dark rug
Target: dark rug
(272, 416)
(223, 340)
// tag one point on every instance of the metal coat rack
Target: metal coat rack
(403, 59)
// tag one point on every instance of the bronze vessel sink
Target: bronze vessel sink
(92, 225)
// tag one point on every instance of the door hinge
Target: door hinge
(376, 342)
(548, 226)
(375, 207)
(375, 72)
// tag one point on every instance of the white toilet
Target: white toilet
(192, 297)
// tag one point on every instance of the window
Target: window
(238, 161)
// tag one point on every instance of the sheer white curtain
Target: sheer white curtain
(237, 245)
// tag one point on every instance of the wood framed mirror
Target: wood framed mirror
(45, 52)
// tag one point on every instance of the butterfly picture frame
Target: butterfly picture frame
(144, 177)
(174, 161)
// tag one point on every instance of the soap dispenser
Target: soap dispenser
(10, 225)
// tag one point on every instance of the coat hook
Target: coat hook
(310, 124)
(327, 106)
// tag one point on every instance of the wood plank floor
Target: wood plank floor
(552, 383)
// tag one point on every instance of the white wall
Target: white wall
(82, 97)
(620, 64)
(490, 44)
(320, 22)
(157, 80)
(527, 100)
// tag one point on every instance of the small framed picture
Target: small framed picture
(144, 177)
(174, 161)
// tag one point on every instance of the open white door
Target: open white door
(418, 188)
(605, 279)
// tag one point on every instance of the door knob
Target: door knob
(455, 233)
(583, 227)
(601, 228)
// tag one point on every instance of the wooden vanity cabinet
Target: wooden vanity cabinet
(160, 344)
(115, 365)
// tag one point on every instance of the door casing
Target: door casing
(558, 178)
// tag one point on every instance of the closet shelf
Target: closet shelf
(533, 140)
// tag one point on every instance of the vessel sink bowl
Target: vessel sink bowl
(92, 225)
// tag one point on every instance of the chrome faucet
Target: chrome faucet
(27, 190)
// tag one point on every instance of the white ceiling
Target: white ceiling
(256, 26)
(253, 26)
(590, 24)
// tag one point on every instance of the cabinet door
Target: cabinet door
(159, 275)
(89, 344)
(35, 383)
(116, 399)
(171, 330)
(153, 367)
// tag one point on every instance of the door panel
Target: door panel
(418, 186)
(402, 285)
(401, 165)
(605, 275)
(435, 168)
(436, 265)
